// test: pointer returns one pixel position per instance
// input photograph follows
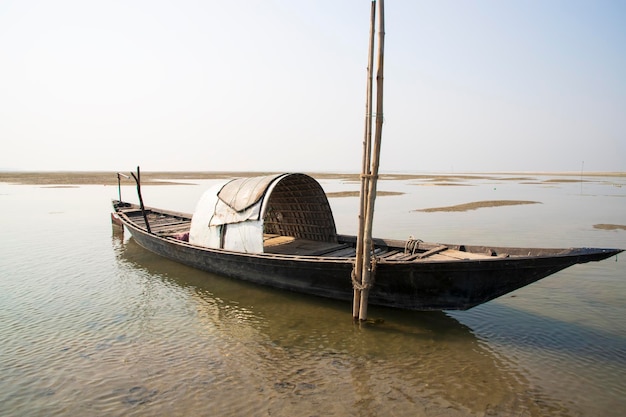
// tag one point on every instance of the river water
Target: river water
(92, 324)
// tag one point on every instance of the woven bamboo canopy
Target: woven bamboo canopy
(297, 206)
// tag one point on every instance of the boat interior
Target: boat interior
(176, 226)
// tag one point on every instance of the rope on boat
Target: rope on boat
(359, 286)
(412, 245)
(370, 176)
(373, 273)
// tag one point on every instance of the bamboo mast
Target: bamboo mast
(143, 209)
(369, 197)
(365, 169)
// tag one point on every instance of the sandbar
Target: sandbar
(175, 177)
(604, 226)
(357, 193)
(478, 204)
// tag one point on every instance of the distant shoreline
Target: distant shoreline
(171, 177)
(68, 179)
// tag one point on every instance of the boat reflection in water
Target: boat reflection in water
(219, 345)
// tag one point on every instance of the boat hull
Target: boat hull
(428, 285)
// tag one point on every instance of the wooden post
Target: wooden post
(365, 169)
(119, 185)
(368, 196)
(143, 210)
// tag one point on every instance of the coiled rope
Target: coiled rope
(412, 245)
(360, 286)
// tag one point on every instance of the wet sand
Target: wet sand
(110, 178)
(169, 178)
(357, 193)
(605, 226)
(478, 204)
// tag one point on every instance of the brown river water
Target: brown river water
(92, 324)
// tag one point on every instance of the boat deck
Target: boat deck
(161, 224)
(288, 245)
(176, 225)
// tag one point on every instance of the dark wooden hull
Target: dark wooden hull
(414, 285)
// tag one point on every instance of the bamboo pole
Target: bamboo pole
(375, 161)
(365, 169)
(119, 185)
(143, 209)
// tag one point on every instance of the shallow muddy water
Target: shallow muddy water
(92, 324)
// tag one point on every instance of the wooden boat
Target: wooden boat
(279, 231)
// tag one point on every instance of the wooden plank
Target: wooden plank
(398, 255)
(457, 254)
(160, 225)
(460, 255)
(172, 232)
(432, 251)
(342, 253)
(303, 247)
(278, 240)
(332, 250)
(388, 254)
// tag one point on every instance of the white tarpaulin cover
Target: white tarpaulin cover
(228, 216)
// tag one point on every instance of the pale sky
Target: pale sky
(279, 85)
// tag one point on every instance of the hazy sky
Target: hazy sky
(279, 85)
